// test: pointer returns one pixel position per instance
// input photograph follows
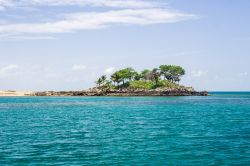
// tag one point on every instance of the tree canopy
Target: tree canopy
(171, 74)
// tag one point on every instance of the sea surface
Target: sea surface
(213, 130)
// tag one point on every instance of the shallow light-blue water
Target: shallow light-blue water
(213, 130)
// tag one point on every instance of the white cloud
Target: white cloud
(197, 73)
(109, 70)
(4, 4)
(25, 37)
(98, 3)
(116, 12)
(108, 3)
(52, 75)
(8, 70)
(243, 74)
(82, 21)
(78, 67)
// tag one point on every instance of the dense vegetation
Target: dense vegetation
(164, 76)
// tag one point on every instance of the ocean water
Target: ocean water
(213, 130)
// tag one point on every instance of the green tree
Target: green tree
(101, 81)
(177, 72)
(165, 71)
(103, 78)
(171, 72)
(151, 78)
(137, 76)
(155, 75)
(116, 78)
(126, 74)
(145, 74)
(98, 82)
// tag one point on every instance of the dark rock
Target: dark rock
(127, 92)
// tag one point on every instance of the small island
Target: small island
(162, 81)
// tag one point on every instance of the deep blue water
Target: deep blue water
(213, 130)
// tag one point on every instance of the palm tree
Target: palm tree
(98, 82)
(103, 78)
(101, 81)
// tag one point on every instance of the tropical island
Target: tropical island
(162, 81)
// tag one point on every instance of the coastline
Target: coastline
(11, 93)
(98, 92)
(124, 92)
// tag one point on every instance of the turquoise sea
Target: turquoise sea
(213, 130)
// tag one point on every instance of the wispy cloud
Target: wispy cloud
(109, 70)
(4, 4)
(98, 3)
(82, 21)
(197, 73)
(10, 37)
(120, 12)
(78, 67)
(243, 74)
(8, 70)
(108, 3)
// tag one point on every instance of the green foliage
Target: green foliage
(156, 75)
(101, 81)
(141, 85)
(147, 79)
(172, 73)
(123, 75)
(166, 84)
(147, 85)
(145, 74)
(137, 76)
(116, 78)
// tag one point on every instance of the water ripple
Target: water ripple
(212, 130)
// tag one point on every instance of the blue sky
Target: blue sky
(67, 44)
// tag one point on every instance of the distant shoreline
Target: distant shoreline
(16, 93)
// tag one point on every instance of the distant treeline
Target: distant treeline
(164, 76)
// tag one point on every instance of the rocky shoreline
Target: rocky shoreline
(125, 92)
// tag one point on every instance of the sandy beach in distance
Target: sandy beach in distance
(16, 93)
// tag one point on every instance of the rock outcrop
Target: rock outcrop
(126, 92)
